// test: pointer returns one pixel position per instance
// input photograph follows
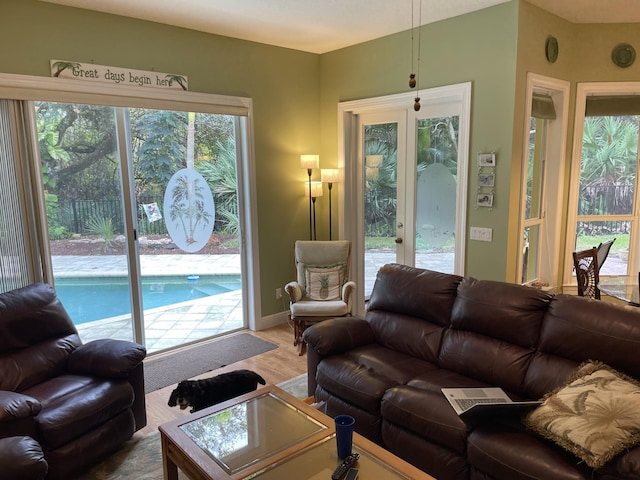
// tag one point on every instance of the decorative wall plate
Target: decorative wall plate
(551, 48)
(623, 55)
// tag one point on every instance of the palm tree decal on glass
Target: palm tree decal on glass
(190, 210)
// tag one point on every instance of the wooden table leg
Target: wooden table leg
(169, 468)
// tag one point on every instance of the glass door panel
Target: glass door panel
(83, 196)
(188, 225)
(436, 187)
(380, 198)
(190, 284)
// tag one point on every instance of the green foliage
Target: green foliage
(608, 166)
(102, 227)
(56, 231)
(220, 174)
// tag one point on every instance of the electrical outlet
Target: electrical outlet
(482, 234)
(278, 293)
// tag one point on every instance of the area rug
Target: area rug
(186, 363)
(296, 386)
(141, 457)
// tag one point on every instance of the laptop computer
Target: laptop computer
(485, 401)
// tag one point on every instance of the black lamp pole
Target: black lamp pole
(310, 201)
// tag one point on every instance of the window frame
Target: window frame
(549, 255)
(32, 88)
(582, 92)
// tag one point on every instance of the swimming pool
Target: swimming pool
(95, 298)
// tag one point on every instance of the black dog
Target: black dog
(199, 394)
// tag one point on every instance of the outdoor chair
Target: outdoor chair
(322, 288)
(585, 263)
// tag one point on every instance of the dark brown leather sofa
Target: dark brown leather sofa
(64, 405)
(425, 330)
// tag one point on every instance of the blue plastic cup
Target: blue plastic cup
(344, 434)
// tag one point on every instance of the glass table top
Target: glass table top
(248, 432)
(623, 288)
(320, 460)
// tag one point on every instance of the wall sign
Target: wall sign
(117, 75)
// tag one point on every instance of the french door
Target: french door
(410, 169)
(138, 252)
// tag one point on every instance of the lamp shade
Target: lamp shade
(309, 161)
(316, 189)
(373, 161)
(330, 175)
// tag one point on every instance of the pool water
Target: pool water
(96, 298)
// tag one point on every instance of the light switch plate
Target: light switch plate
(480, 233)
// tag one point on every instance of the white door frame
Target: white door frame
(351, 160)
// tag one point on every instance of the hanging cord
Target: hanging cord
(412, 76)
(416, 104)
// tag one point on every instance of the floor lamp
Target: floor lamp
(310, 162)
(330, 176)
(313, 190)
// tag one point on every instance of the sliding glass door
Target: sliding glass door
(143, 221)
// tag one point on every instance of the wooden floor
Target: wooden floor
(274, 366)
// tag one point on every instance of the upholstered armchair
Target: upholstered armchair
(322, 288)
(64, 405)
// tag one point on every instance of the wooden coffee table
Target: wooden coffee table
(264, 435)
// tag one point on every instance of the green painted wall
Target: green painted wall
(283, 83)
(479, 47)
(295, 97)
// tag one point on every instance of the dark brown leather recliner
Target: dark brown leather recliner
(64, 405)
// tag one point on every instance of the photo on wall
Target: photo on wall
(484, 200)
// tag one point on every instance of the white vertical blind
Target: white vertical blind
(17, 265)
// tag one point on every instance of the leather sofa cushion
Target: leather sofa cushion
(414, 292)
(22, 458)
(362, 375)
(31, 315)
(73, 405)
(487, 359)
(507, 451)
(410, 335)
(26, 367)
(427, 414)
(598, 331)
(623, 467)
(500, 310)
(442, 463)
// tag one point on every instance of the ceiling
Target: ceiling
(320, 26)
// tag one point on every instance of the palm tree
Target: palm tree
(188, 207)
(179, 79)
(608, 167)
(61, 66)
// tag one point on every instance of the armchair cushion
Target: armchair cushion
(106, 358)
(324, 283)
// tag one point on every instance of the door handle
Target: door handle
(398, 240)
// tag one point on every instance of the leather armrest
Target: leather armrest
(338, 335)
(22, 458)
(294, 290)
(16, 406)
(106, 358)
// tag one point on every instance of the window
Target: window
(542, 181)
(604, 188)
